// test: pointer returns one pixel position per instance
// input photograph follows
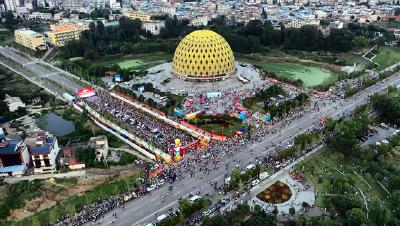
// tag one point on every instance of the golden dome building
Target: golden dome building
(203, 55)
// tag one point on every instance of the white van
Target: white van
(194, 198)
(162, 217)
(250, 167)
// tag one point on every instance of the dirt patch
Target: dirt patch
(333, 67)
(59, 193)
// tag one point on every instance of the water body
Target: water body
(310, 75)
(55, 124)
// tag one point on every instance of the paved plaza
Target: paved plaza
(300, 193)
(158, 74)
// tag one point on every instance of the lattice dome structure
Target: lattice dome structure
(203, 55)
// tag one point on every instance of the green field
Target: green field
(126, 64)
(387, 56)
(352, 58)
(135, 62)
(312, 76)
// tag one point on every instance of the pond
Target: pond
(310, 75)
(55, 124)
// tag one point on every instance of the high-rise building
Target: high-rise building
(11, 5)
(72, 4)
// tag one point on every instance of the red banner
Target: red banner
(86, 92)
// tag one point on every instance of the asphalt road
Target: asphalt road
(142, 210)
(40, 70)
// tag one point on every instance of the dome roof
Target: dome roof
(203, 55)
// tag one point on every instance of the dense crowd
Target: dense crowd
(141, 124)
(195, 164)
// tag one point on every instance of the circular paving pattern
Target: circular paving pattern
(276, 193)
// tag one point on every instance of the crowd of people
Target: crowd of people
(198, 164)
(146, 127)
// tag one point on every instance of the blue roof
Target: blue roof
(111, 24)
(40, 149)
(49, 140)
(10, 148)
(14, 168)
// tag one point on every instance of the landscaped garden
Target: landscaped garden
(276, 193)
(387, 56)
(221, 125)
(135, 62)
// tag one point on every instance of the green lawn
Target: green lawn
(126, 64)
(351, 58)
(387, 56)
(221, 125)
(135, 62)
(312, 76)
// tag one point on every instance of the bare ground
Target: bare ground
(61, 192)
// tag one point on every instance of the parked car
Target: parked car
(255, 182)
(160, 182)
(151, 187)
(162, 217)
(206, 213)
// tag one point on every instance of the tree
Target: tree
(355, 216)
(397, 11)
(343, 203)
(360, 42)
(264, 14)
(395, 203)
(292, 211)
(11, 21)
(387, 107)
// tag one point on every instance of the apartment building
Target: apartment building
(14, 158)
(153, 27)
(44, 151)
(143, 16)
(63, 34)
(30, 39)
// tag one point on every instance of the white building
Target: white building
(11, 5)
(44, 151)
(100, 145)
(320, 14)
(40, 16)
(114, 4)
(14, 103)
(170, 10)
(301, 23)
(72, 4)
(154, 26)
(200, 21)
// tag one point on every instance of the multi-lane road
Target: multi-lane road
(40, 72)
(143, 209)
